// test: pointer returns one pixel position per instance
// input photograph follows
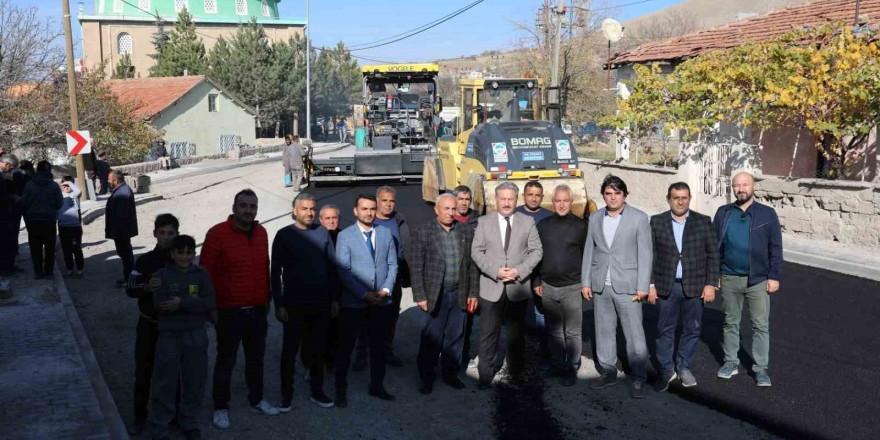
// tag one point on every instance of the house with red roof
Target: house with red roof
(197, 116)
(787, 151)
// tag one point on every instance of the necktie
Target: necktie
(369, 235)
(507, 235)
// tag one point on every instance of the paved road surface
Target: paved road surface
(542, 410)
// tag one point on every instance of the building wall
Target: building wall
(189, 120)
(100, 40)
(646, 184)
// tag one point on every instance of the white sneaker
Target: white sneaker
(265, 408)
(221, 418)
(473, 363)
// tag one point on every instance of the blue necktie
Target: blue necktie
(369, 235)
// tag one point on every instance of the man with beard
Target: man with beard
(750, 243)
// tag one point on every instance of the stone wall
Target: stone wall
(136, 169)
(844, 211)
(647, 185)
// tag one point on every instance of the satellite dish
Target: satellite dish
(612, 29)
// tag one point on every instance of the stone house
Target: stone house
(197, 116)
(786, 151)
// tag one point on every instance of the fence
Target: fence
(229, 142)
(182, 149)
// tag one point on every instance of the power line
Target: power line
(423, 28)
(418, 28)
(607, 8)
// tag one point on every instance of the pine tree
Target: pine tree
(182, 52)
(124, 68)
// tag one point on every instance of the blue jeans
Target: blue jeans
(671, 309)
(537, 308)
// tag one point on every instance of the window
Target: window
(265, 8)
(210, 6)
(144, 5)
(212, 103)
(179, 5)
(117, 6)
(241, 7)
(124, 44)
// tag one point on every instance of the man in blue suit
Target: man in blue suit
(367, 263)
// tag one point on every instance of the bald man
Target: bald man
(750, 244)
(445, 285)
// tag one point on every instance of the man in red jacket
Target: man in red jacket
(236, 255)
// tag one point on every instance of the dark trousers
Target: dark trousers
(673, 309)
(147, 335)
(362, 344)
(71, 246)
(126, 254)
(246, 327)
(443, 334)
(41, 238)
(563, 307)
(8, 247)
(181, 359)
(306, 328)
(466, 349)
(377, 321)
(493, 315)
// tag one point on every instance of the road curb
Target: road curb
(115, 425)
(832, 264)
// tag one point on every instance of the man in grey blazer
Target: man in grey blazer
(616, 273)
(506, 249)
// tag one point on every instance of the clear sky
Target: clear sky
(487, 26)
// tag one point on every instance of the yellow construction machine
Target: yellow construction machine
(503, 135)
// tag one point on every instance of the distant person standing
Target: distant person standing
(293, 161)
(41, 201)
(102, 170)
(750, 243)
(236, 255)
(160, 153)
(121, 222)
(8, 231)
(70, 228)
(342, 129)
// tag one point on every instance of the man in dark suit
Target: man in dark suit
(121, 222)
(507, 249)
(685, 275)
(445, 284)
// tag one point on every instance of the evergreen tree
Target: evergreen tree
(160, 39)
(288, 72)
(244, 65)
(182, 52)
(124, 68)
(336, 81)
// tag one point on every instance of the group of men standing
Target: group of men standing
(334, 288)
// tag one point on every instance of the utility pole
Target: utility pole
(555, 108)
(71, 93)
(308, 74)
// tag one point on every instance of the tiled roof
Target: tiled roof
(752, 30)
(151, 96)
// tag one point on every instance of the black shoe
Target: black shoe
(193, 434)
(569, 379)
(393, 360)
(341, 399)
(321, 400)
(637, 391)
(121, 283)
(427, 387)
(664, 380)
(381, 393)
(518, 379)
(484, 385)
(603, 381)
(454, 382)
(137, 427)
(360, 364)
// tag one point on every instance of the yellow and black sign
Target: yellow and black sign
(401, 68)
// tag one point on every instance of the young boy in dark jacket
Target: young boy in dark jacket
(183, 301)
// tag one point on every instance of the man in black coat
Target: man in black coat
(685, 275)
(121, 222)
(445, 285)
(102, 170)
(8, 231)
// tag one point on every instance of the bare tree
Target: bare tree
(582, 84)
(29, 56)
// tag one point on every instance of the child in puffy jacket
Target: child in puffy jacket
(70, 227)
